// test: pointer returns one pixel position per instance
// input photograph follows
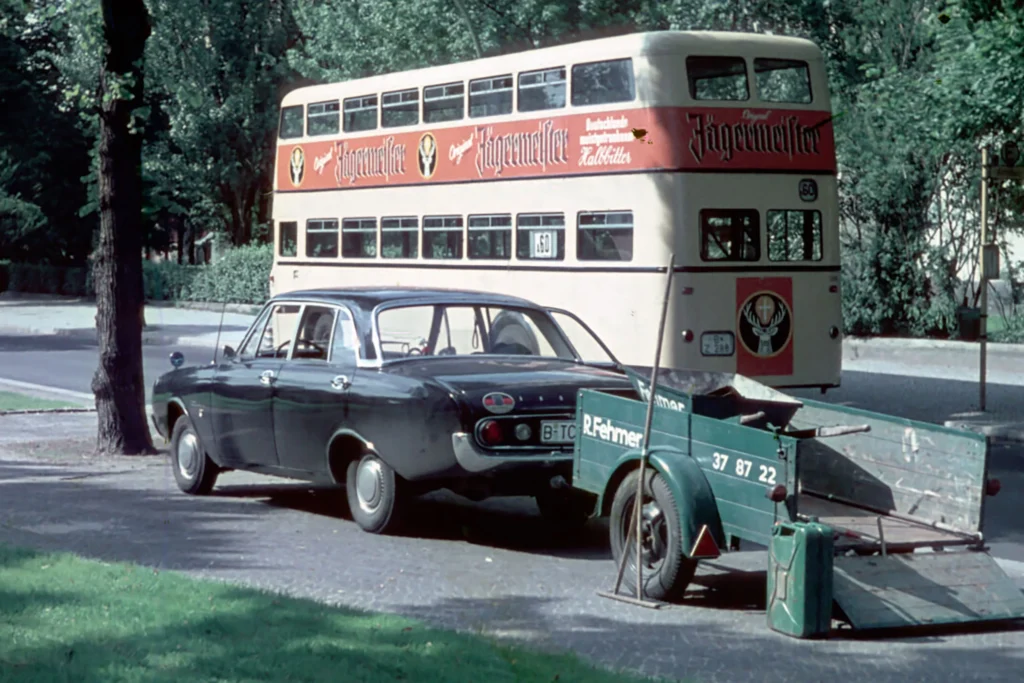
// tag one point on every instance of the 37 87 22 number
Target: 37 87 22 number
(741, 468)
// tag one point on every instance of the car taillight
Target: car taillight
(490, 432)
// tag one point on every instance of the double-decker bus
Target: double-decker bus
(569, 174)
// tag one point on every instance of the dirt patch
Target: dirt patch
(73, 451)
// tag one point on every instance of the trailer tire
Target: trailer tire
(667, 569)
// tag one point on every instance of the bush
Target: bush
(1013, 333)
(241, 276)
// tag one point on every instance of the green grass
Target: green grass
(63, 618)
(12, 401)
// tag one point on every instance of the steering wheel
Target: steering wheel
(277, 351)
(319, 348)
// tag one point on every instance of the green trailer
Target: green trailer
(867, 518)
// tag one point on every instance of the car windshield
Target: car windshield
(469, 329)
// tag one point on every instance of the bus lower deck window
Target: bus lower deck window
(794, 235)
(322, 238)
(399, 237)
(730, 235)
(604, 236)
(359, 238)
(540, 236)
(287, 238)
(490, 237)
(442, 237)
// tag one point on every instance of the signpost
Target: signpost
(988, 254)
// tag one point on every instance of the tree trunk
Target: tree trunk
(118, 383)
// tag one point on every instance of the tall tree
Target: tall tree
(118, 382)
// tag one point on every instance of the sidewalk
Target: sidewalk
(941, 376)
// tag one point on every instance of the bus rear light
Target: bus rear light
(687, 291)
(833, 288)
(688, 335)
(490, 432)
(992, 487)
(833, 332)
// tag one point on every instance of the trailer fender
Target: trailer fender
(698, 509)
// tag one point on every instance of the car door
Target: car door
(311, 391)
(244, 389)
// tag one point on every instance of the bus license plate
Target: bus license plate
(717, 344)
(557, 431)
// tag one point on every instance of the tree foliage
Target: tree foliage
(917, 86)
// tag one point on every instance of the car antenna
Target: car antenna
(216, 345)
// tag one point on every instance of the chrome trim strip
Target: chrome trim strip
(474, 460)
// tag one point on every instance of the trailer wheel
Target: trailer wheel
(667, 570)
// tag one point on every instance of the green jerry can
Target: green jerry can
(800, 579)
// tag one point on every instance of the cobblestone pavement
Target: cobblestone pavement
(489, 567)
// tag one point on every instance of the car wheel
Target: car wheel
(193, 470)
(567, 510)
(667, 571)
(373, 492)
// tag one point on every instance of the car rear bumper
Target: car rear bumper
(475, 460)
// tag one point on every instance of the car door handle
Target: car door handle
(266, 377)
(341, 382)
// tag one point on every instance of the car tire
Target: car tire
(194, 472)
(672, 571)
(374, 494)
(566, 510)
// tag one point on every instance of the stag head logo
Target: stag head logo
(297, 166)
(765, 324)
(427, 155)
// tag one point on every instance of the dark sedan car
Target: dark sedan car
(391, 393)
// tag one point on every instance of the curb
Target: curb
(855, 345)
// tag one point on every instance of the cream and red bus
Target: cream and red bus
(568, 174)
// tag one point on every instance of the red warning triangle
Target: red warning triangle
(705, 546)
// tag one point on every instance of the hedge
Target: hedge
(241, 276)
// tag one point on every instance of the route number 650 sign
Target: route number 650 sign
(741, 468)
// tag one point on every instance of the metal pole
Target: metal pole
(638, 504)
(647, 428)
(983, 276)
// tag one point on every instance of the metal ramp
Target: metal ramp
(892, 591)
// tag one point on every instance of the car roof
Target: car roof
(370, 297)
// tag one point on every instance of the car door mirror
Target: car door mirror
(229, 352)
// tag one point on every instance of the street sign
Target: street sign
(1006, 172)
(990, 262)
(1011, 153)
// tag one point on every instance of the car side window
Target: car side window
(344, 347)
(277, 335)
(248, 350)
(314, 339)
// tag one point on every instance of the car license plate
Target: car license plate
(557, 431)
(717, 344)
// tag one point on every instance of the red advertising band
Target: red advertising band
(675, 138)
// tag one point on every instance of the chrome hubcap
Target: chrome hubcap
(370, 485)
(188, 455)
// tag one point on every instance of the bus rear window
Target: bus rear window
(291, 123)
(490, 237)
(442, 237)
(287, 238)
(783, 80)
(359, 238)
(717, 78)
(729, 235)
(794, 235)
(604, 236)
(603, 82)
(540, 236)
(400, 237)
(322, 238)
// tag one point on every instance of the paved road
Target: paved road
(491, 567)
(70, 362)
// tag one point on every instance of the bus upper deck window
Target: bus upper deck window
(322, 118)
(544, 89)
(400, 108)
(360, 113)
(291, 123)
(445, 102)
(783, 80)
(730, 235)
(794, 235)
(603, 82)
(490, 96)
(717, 78)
